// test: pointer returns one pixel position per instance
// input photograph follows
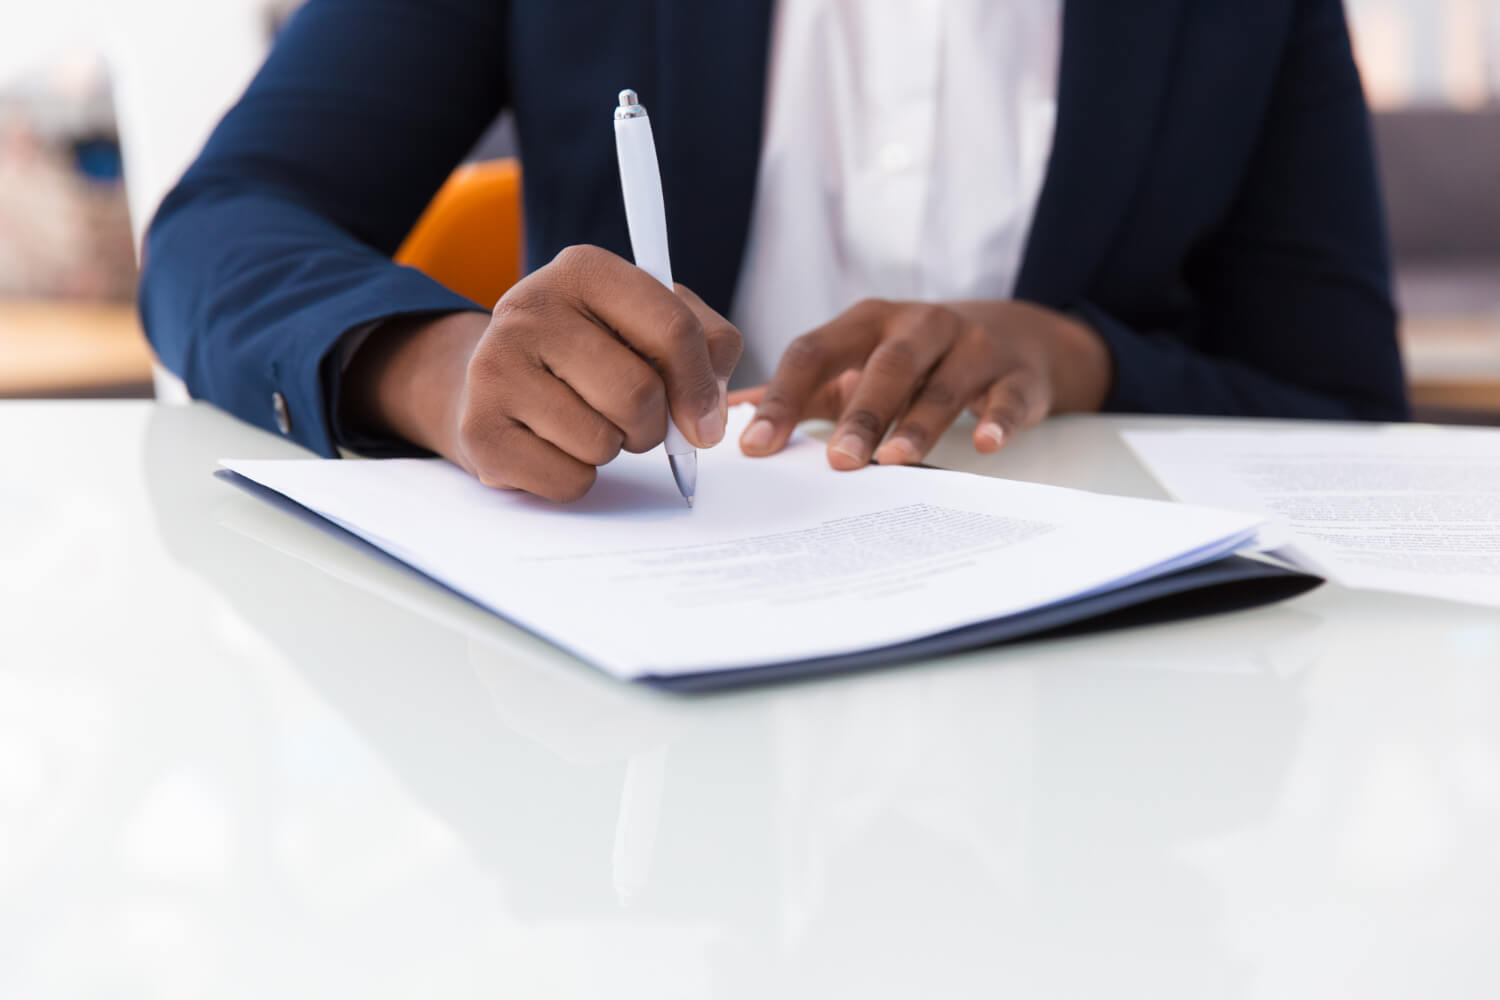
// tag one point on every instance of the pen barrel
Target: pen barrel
(646, 217)
(645, 209)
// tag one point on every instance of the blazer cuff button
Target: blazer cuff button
(283, 415)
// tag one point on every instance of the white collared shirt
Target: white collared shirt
(905, 146)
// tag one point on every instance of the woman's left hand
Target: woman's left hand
(910, 368)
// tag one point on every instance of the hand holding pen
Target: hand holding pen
(585, 357)
(646, 217)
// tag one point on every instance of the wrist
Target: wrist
(1082, 367)
(407, 378)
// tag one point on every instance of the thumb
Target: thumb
(724, 341)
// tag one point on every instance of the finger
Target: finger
(658, 325)
(833, 398)
(809, 362)
(751, 396)
(966, 370)
(505, 454)
(1016, 401)
(725, 345)
(613, 380)
(919, 337)
(825, 404)
(557, 414)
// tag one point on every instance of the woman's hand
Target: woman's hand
(582, 359)
(914, 366)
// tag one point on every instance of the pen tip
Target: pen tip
(685, 473)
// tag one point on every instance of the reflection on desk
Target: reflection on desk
(308, 774)
(786, 818)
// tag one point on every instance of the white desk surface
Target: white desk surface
(241, 759)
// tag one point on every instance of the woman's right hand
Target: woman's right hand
(581, 359)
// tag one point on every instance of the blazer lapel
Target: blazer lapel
(1117, 59)
(711, 85)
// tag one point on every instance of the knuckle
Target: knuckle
(1009, 403)
(847, 381)
(840, 392)
(683, 330)
(940, 393)
(895, 359)
(484, 436)
(642, 398)
(703, 389)
(487, 365)
(777, 403)
(805, 351)
(604, 444)
(513, 346)
(926, 315)
(579, 255)
(571, 484)
(529, 295)
(495, 376)
(975, 335)
(865, 421)
(1017, 393)
(728, 342)
(589, 436)
(640, 444)
(578, 269)
(483, 372)
(473, 429)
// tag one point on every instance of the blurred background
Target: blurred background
(104, 102)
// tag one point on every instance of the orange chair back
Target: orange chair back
(469, 238)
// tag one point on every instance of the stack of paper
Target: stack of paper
(782, 560)
(1414, 510)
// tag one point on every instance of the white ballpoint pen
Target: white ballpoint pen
(646, 217)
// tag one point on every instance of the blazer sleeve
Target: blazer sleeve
(1295, 312)
(278, 239)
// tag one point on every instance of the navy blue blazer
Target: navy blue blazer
(1211, 204)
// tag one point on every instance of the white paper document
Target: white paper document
(781, 560)
(1414, 510)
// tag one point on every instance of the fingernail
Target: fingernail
(992, 432)
(898, 451)
(724, 398)
(758, 435)
(853, 446)
(711, 427)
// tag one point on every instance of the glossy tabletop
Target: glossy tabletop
(239, 758)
